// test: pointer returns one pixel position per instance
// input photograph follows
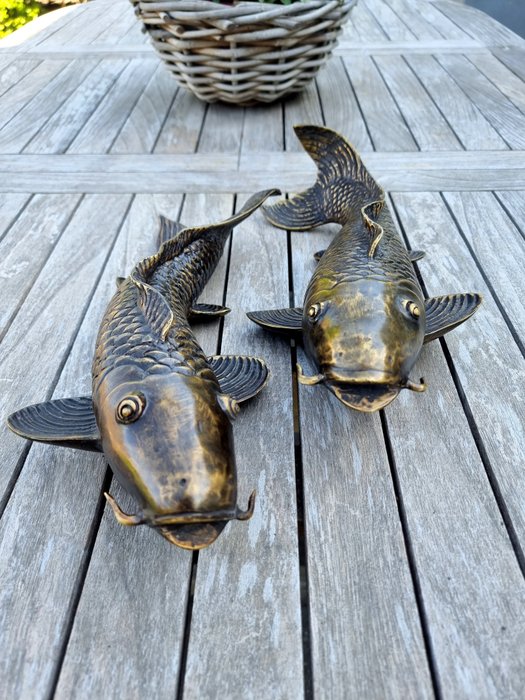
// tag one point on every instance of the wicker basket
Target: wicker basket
(245, 53)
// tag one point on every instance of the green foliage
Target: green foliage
(15, 13)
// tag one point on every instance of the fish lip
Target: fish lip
(361, 377)
(181, 519)
(193, 536)
(365, 397)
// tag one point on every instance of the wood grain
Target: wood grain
(57, 133)
(471, 127)
(471, 583)
(361, 597)
(426, 123)
(50, 550)
(501, 113)
(482, 349)
(386, 125)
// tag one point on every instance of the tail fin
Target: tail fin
(343, 188)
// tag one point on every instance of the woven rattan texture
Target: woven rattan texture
(245, 53)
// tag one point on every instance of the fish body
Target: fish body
(159, 408)
(364, 318)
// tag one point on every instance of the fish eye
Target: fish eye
(314, 311)
(412, 308)
(130, 408)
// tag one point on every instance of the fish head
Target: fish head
(168, 439)
(365, 340)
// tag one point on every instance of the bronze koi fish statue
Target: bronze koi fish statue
(365, 318)
(161, 410)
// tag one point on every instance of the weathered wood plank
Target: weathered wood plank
(41, 533)
(428, 127)
(499, 415)
(509, 84)
(25, 249)
(356, 559)
(222, 129)
(471, 584)
(245, 570)
(474, 131)
(418, 24)
(267, 581)
(386, 125)
(304, 108)
(61, 128)
(501, 113)
(266, 121)
(513, 58)
(389, 21)
(102, 128)
(437, 19)
(181, 130)
(514, 203)
(26, 89)
(11, 205)
(136, 584)
(346, 47)
(478, 24)
(11, 72)
(468, 171)
(479, 215)
(87, 24)
(16, 134)
(340, 107)
(366, 25)
(141, 130)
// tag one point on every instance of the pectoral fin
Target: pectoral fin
(65, 422)
(319, 255)
(446, 312)
(240, 377)
(286, 321)
(416, 255)
(207, 312)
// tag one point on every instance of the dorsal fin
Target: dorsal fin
(376, 231)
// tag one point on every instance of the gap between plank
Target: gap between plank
(78, 586)
(411, 559)
(304, 584)
(494, 294)
(476, 435)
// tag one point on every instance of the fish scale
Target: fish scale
(124, 337)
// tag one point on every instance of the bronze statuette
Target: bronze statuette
(365, 318)
(161, 410)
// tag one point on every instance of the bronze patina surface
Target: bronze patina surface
(161, 410)
(365, 318)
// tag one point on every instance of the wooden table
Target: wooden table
(385, 557)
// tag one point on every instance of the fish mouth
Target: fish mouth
(366, 398)
(193, 536)
(363, 376)
(369, 396)
(194, 530)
